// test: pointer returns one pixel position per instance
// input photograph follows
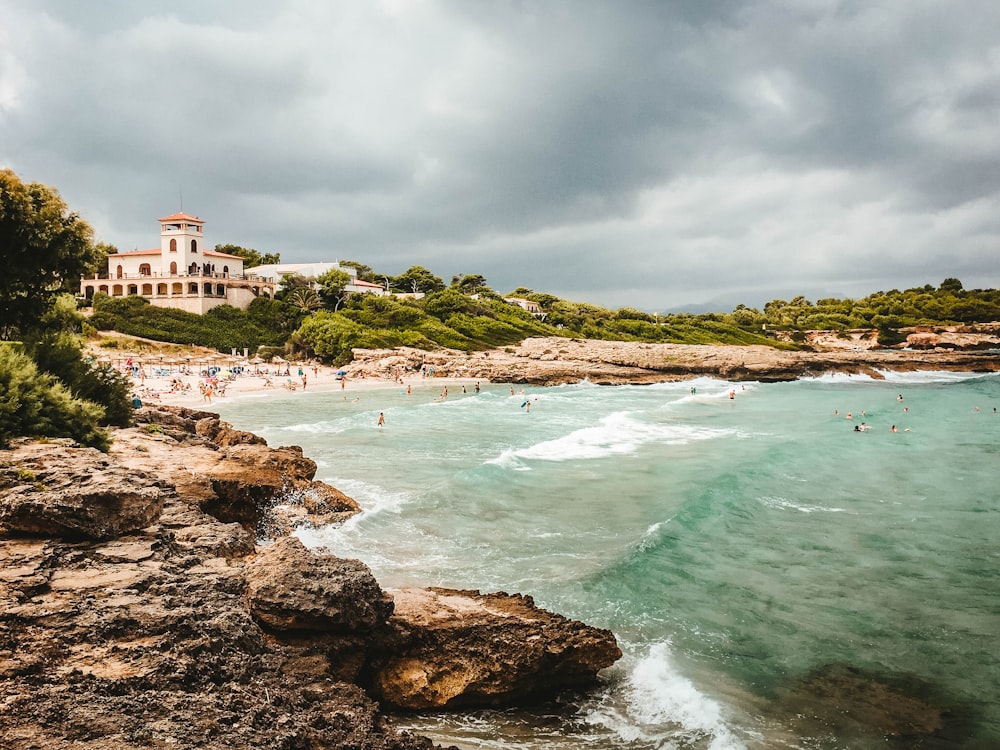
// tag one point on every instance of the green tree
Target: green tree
(251, 257)
(44, 245)
(469, 283)
(304, 298)
(100, 263)
(951, 285)
(365, 273)
(418, 279)
(333, 288)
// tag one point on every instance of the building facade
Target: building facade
(183, 273)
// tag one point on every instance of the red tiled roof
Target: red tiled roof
(182, 217)
(152, 251)
(223, 255)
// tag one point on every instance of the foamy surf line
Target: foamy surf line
(655, 701)
(616, 434)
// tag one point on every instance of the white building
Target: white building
(182, 273)
(276, 271)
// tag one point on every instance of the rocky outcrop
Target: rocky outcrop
(230, 474)
(291, 588)
(168, 626)
(551, 361)
(74, 494)
(449, 649)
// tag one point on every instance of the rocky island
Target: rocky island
(140, 608)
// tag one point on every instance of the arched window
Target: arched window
(116, 290)
(147, 290)
(145, 270)
(194, 246)
(133, 289)
(173, 244)
(161, 289)
(120, 272)
(193, 288)
(192, 269)
(177, 288)
(173, 268)
(225, 271)
(220, 289)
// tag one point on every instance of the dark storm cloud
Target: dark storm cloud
(625, 153)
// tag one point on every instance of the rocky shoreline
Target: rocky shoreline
(555, 361)
(140, 609)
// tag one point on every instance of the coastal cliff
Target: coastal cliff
(554, 361)
(138, 607)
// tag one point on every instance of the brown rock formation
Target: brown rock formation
(81, 494)
(165, 626)
(290, 588)
(551, 361)
(450, 649)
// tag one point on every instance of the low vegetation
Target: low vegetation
(265, 323)
(469, 316)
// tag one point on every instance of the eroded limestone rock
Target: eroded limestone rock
(291, 588)
(448, 649)
(75, 493)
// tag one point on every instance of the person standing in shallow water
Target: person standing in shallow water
(381, 419)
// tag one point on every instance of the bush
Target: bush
(36, 404)
(266, 322)
(59, 354)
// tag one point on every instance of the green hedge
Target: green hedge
(267, 323)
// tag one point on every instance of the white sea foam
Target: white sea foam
(783, 503)
(919, 377)
(660, 703)
(617, 434)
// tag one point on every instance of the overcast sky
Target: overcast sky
(624, 153)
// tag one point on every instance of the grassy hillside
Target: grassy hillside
(453, 318)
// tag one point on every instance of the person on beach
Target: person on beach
(407, 390)
(381, 419)
(477, 389)
(304, 376)
(343, 382)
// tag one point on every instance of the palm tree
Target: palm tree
(304, 298)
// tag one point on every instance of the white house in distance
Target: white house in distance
(182, 273)
(526, 304)
(276, 271)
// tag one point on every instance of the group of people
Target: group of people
(864, 426)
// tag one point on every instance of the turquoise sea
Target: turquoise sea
(735, 546)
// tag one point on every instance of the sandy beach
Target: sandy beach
(179, 387)
(181, 376)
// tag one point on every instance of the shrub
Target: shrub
(35, 404)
